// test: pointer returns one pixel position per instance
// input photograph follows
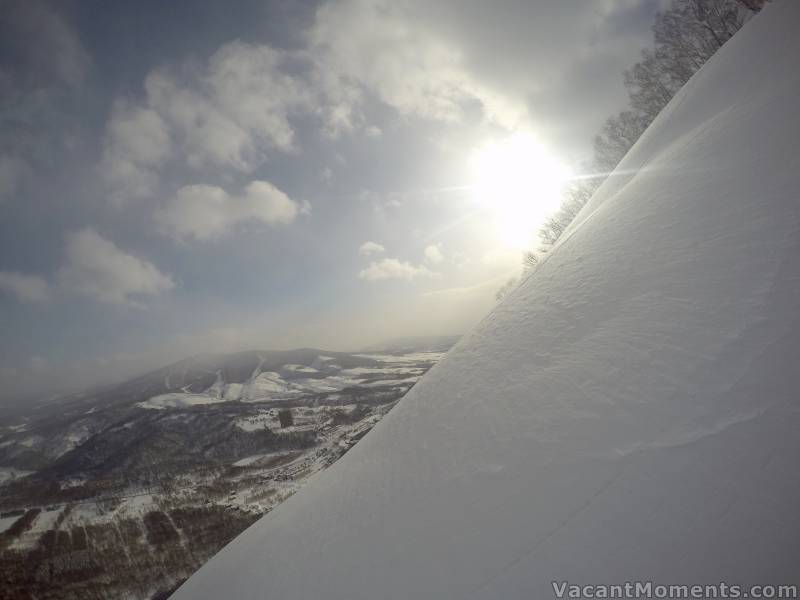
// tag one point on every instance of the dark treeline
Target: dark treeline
(685, 36)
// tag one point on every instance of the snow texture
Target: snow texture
(630, 412)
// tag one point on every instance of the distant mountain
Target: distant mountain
(194, 374)
(199, 372)
(269, 375)
(125, 490)
(404, 345)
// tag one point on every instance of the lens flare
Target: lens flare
(519, 183)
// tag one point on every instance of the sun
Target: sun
(519, 183)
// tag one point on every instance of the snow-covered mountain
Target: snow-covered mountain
(629, 413)
(125, 490)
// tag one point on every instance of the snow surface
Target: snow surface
(249, 460)
(179, 400)
(408, 358)
(299, 369)
(45, 520)
(8, 474)
(630, 412)
(6, 522)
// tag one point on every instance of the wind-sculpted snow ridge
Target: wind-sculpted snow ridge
(629, 413)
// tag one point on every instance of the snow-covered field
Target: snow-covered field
(9, 474)
(179, 400)
(148, 495)
(6, 522)
(629, 413)
(44, 521)
(413, 357)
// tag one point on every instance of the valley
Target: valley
(127, 490)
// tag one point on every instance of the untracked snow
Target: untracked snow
(629, 413)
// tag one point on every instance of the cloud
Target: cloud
(230, 113)
(42, 47)
(207, 212)
(368, 248)
(433, 254)
(391, 268)
(37, 364)
(495, 257)
(94, 267)
(43, 67)
(137, 142)
(7, 374)
(27, 288)
(382, 202)
(97, 268)
(235, 110)
(13, 170)
(381, 47)
(515, 64)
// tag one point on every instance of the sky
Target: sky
(195, 176)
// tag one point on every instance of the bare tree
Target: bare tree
(617, 136)
(507, 288)
(285, 417)
(685, 36)
(575, 196)
(753, 5)
(529, 260)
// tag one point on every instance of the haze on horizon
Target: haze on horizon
(193, 177)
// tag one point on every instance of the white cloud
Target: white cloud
(97, 268)
(516, 64)
(235, 110)
(137, 143)
(382, 202)
(27, 288)
(381, 47)
(230, 113)
(391, 268)
(206, 212)
(445, 61)
(368, 248)
(433, 254)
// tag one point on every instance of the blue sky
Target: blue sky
(183, 177)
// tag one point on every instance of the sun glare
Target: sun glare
(519, 183)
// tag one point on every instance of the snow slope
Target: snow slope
(630, 412)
